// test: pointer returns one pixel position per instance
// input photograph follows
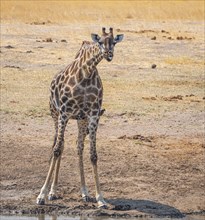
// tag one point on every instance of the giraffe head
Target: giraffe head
(107, 42)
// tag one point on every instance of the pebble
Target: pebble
(153, 38)
(154, 66)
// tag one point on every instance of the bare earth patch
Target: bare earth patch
(150, 138)
(158, 175)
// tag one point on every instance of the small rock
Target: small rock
(123, 113)
(49, 39)
(122, 137)
(154, 66)
(38, 23)
(9, 47)
(65, 41)
(8, 66)
(188, 38)
(153, 38)
(180, 38)
(173, 98)
(149, 98)
(190, 95)
(163, 31)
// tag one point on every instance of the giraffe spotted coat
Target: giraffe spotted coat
(76, 93)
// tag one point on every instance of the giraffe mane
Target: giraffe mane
(85, 45)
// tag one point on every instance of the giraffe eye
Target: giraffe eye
(101, 45)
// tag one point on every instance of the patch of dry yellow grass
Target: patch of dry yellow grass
(124, 77)
(100, 11)
(25, 92)
(183, 61)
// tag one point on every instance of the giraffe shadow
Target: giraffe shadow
(147, 207)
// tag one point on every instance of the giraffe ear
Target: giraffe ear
(118, 38)
(95, 38)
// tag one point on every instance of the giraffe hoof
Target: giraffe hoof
(40, 201)
(103, 206)
(52, 197)
(87, 199)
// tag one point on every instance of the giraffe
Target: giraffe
(76, 93)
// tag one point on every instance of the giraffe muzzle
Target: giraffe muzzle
(108, 56)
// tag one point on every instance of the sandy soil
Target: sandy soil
(150, 139)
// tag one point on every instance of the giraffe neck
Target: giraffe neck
(88, 58)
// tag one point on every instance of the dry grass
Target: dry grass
(128, 78)
(25, 92)
(183, 61)
(99, 13)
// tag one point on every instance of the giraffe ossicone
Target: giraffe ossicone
(77, 93)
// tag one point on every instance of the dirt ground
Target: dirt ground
(150, 141)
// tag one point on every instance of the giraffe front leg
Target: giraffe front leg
(44, 190)
(99, 197)
(57, 152)
(52, 194)
(93, 157)
(84, 190)
(82, 132)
